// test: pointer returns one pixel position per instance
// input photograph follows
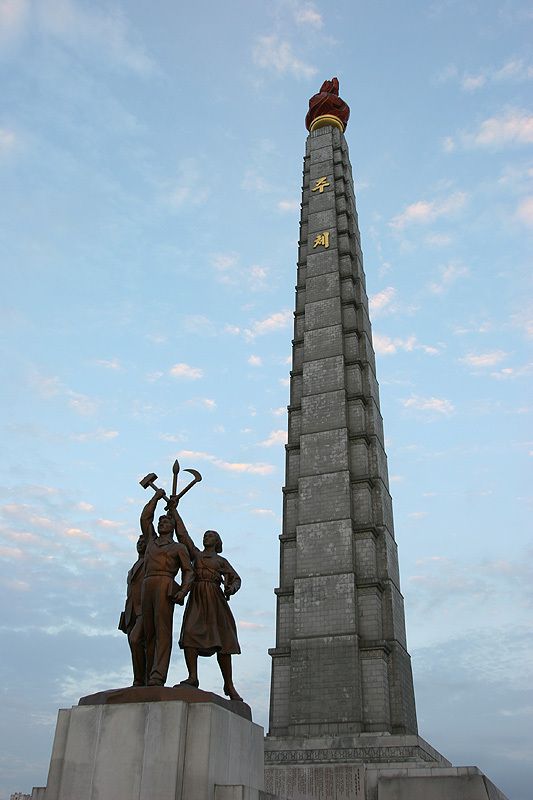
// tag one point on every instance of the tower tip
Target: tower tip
(327, 108)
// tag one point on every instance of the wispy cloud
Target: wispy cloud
(49, 387)
(92, 31)
(183, 370)
(14, 16)
(288, 205)
(188, 188)
(307, 14)
(382, 302)
(436, 405)
(480, 360)
(275, 438)
(427, 211)
(255, 361)
(263, 512)
(449, 274)
(203, 402)
(229, 466)
(387, 346)
(276, 55)
(512, 127)
(100, 435)
(274, 322)
(513, 70)
(524, 212)
(7, 139)
(230, 272)
(111, 363)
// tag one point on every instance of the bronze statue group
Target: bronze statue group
(208, 625)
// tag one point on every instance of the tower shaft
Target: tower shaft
(340, 665)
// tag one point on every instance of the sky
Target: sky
(150, 172)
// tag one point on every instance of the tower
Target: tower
(342, 687)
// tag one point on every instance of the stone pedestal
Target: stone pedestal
(368, 767)
(159, 750)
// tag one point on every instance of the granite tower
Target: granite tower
(342, 687)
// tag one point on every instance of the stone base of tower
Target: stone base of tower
(368, 767)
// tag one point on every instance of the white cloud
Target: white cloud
(417, 514)
(111, 363)
(233, 330)
(109, 523)
(14, 15)
(255, 361)
(102, 32)
(81, 403)
(275, 437)
(185, 371)
(382, 300)
(265, 512)
(199, 323)
(251, 626)
(288, 205)
(438, 240)
(438, 405)
(472, 82)
(278, 412)
(524, 212)
(84, 506)
(257, 276)
(513, 372)
(484, 359)
(386, 346)
(49, 387)
(277, 55)
(274, 322)
(7, 139)
(203, 402)
(229, 466)
(188, 189)
(426, 211)
(100, 435)
(448, 275)
(308, 15)
(514, 126)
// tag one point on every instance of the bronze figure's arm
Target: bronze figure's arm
(147, 516)
(232, 582)
(182, 533)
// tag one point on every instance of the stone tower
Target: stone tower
(342, 686)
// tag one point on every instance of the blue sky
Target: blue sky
(150, 163)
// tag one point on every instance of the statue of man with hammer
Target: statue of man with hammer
(163, 559)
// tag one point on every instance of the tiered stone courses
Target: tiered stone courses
(340, 665)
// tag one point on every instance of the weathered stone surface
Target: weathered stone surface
(340, 606)
(164, 750)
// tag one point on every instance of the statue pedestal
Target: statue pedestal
(125, 746)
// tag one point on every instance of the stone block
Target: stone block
(140, 751)
(316, 605)
(322, 313)
(323, 547)
(323, 343)
(321, 287)
(324, 498)
(324, 451)
(324, 411)
(323, 375)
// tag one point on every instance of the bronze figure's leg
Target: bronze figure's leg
(138, 652)
(191, 659)
(224, 662)
(148, 623)
(163, 613)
